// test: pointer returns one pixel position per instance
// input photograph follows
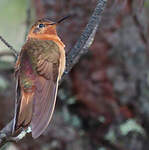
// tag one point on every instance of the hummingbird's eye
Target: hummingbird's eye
(41, 25)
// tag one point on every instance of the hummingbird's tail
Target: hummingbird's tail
(23, 112)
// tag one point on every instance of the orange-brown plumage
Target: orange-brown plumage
(39, 67)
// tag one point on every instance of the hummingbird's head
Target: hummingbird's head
(44, 28)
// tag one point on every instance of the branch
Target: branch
(28, 18)
(5, 133)
(6, 53)
(73, 56)
(87, 37)
(9, 46)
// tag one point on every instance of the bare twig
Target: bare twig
(9, 46)
(28, 17)
(77, 51)
(6, 53)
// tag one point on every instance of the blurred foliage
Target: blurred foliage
(130, 126)
(13, 28)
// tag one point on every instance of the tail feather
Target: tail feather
(24, 111)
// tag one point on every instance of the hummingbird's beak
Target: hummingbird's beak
(59, 21)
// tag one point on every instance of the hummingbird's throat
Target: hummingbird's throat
(52, 37)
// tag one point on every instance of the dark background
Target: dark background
(103, 104)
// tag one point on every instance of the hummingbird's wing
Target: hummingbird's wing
(46, 89)
(43, 57)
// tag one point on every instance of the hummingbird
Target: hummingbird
(38, 69)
